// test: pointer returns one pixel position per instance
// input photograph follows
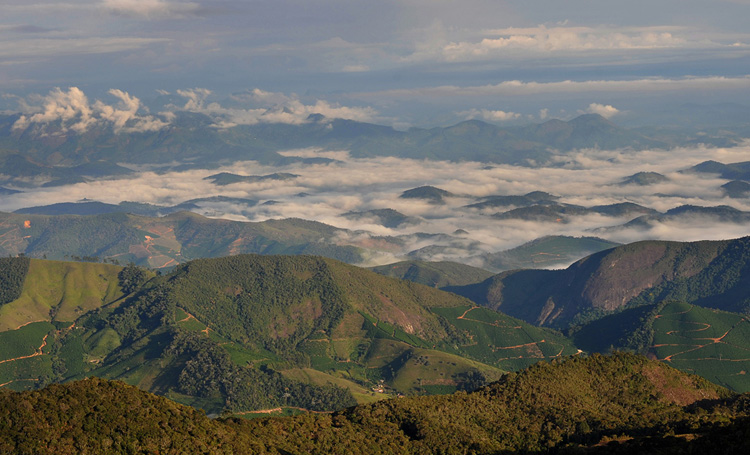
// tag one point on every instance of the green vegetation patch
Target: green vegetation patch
(29, 372)
(12, 276)
(308, 375)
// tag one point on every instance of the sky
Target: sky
(403, 63)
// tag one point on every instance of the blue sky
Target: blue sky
(408, 62)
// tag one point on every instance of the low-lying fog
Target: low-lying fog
(324, 192)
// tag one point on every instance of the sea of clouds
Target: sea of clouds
(324, 192)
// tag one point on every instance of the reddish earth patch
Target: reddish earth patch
(675, 389)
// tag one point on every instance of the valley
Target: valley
(333, 334)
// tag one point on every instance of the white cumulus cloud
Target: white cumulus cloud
(605, 111)
(489, 115)
(73, 111)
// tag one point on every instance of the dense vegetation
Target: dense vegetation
(12, 275)
(608, 404)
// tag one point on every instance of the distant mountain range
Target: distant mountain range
(166, 241)
(63, 156)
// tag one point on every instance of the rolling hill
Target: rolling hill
(248, 332)
(435, 274)
(546, 252)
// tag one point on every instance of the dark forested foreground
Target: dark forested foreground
(600, 404)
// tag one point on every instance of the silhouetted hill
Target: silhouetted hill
(227, 178)
(688, 213)
(525, 200)
(736, 189)
(385, 217)
(732, 171)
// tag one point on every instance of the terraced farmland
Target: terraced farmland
(710, 343)
(504, 341)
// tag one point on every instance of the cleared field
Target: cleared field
(309, 375)
(61, 291)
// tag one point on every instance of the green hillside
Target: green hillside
(57, 291)
(710, 343)
(507, 342)
(250, 332)
(707, 342)
(548, 251)
(600, 404)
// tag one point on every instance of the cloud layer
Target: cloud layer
(270, 107)
(325, 192)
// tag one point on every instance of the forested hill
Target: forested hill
(249, 332)
(601, 404)
(709, 273)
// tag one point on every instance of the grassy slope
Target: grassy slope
(703, 341)
(504, 341)
(70, 289)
